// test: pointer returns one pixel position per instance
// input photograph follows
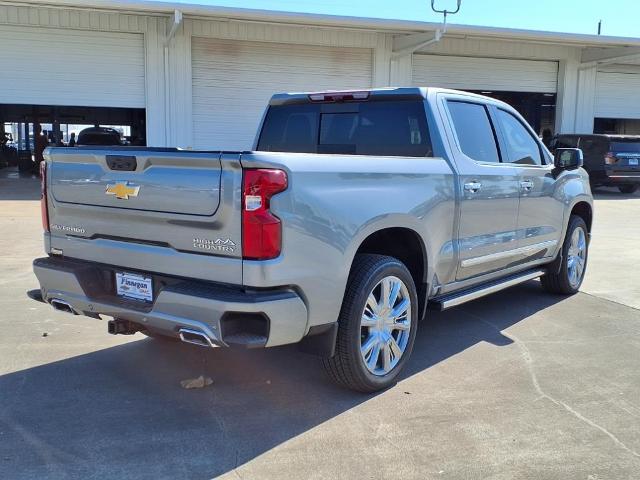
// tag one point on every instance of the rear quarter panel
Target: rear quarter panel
(334, 202)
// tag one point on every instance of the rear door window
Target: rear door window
(522, 148)
(386, 128)
(474, 131)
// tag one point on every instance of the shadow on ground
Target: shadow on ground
(120, 412)
(28, 188)
(612, 193)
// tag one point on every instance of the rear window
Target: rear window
(388, 128)
(564, 142)
(99, 138)
(626, 147)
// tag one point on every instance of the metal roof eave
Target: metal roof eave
(377, 24)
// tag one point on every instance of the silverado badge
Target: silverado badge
(123, 190)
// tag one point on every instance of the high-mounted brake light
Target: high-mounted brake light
(339, 96)
(44, 210)
(261, 230)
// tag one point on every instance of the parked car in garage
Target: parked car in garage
(610, 160)
(354, 212)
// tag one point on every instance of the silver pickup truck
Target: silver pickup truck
(354, 213)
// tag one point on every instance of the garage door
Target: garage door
(495, 74)
(618, 93)
(48, 66)
(233, 81)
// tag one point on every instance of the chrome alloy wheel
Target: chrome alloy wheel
(385, 325)
(576, 256)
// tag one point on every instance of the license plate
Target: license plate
(131, 285)
(633, 161)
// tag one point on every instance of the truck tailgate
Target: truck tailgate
(148, 209)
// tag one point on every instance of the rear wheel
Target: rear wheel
(377, 324)
(628, 189)
(573, 263)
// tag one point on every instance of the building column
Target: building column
(567, 94)
(180, 96)
(154, 38)
(586, 99)
(401, 74)
(382, 61)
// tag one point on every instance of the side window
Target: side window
(521, 147)
(565, 141)
(474, 131)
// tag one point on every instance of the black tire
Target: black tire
(557, 280)
(347, 367)
(628, 189)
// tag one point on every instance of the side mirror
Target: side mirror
(568, 158)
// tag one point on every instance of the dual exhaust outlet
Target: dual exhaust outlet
(187, 335)
(196, 337)
(63, 306)
(125, 327)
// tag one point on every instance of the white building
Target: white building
(199, 77)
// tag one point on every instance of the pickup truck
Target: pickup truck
(354, 213)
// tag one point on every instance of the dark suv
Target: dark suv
(611, 160)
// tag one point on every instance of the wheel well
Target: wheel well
(403, 244)
(583, 209)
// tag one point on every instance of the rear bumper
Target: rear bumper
(613, 177)
(622, 180)
(229, 316)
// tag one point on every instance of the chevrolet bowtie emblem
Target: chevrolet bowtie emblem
(123, 190)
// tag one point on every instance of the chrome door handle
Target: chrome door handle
(526, 185)
(472, 187)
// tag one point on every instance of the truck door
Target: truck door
(541, 212)
(490, 189)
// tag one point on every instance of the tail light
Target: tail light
(610, 158)
(261, 230)
(44, 210)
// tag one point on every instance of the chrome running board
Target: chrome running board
(458, 298)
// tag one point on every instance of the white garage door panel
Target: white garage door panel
(47, 66)
(617, 95)
(233, 81)
(466, 73)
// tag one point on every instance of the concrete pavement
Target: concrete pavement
(518, 385)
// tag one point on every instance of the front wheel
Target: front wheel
(377, 324)
(628, 189)
(573, 262)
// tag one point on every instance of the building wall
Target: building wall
(152, 27)
(168, 83)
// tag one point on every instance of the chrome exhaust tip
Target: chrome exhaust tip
(196, 337)
(62, 306)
